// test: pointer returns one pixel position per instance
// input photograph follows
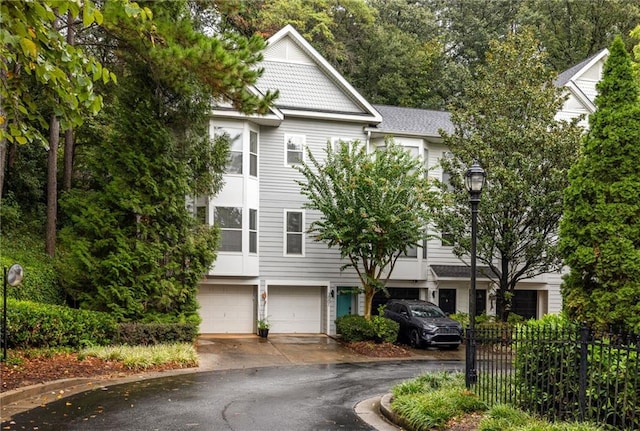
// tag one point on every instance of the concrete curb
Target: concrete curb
(390, 415)
(371, 411)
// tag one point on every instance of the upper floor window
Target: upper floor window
(335, 143)
(294, 149)
(229, 219)
(234, 162)
(253, 231)
(294, 235)
(253, 153)
(446, 175)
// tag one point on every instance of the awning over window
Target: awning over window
(460, 271)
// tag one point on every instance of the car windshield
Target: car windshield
(426, 311)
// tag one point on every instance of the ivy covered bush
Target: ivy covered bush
(40, 282)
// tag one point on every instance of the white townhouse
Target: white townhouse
(267, 265)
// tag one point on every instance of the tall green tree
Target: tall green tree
(572, 30)
(374, 205)
(600, 229)
(43, 75)
(130, 244)
(507, 124)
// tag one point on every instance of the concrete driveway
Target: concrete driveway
(232, 351)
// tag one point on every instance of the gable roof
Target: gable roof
(309, 86)
(412, 122)
(576, 71)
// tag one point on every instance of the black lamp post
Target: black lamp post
(12, 277)
(474, 182)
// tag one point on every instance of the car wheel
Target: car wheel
(414, 338)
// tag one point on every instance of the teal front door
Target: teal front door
(345, 301)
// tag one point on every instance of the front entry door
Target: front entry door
(345, 302)
(447, 300)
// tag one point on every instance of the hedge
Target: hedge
(35, 325)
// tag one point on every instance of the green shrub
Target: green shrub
(353, 327)
(136, 333)
(40, 282)
(506, 418)
(538, 364)
(32, 324)
(549, 373)
(384, 329)
(434, 400)
(429, 382)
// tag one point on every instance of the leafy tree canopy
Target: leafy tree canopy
(374, 205)
(507, 124)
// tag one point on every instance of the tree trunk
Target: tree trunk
(68, 134)
(68, 159)
(52, 186)
(368, 301)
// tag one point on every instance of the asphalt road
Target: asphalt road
(309, 397)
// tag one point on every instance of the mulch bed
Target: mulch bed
(25, 371)
(378, 350)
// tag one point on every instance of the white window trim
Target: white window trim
(285, 232)
(288, 136)
(257, 154)
(234, 229)
(226, 128)
(253, 230)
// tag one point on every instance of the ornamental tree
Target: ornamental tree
(600, 229)
(374, 205)
(507, 124)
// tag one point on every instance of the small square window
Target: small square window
(294, 149)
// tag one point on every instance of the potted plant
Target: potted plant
(263, 327)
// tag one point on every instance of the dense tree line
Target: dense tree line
(421, 53)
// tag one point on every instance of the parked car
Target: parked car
(423, 323)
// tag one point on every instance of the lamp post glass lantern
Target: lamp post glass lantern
(12, 277)
(474, 180)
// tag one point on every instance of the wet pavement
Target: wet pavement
(222, 352)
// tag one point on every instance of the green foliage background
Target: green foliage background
(600, 229)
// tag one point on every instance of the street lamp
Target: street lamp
(12, 277)
(474, 182)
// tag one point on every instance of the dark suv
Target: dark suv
(423, 323)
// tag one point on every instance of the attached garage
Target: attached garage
(296, 309)
(227, 309)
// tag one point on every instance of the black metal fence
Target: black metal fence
(560, 372)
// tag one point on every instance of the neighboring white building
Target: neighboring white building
(267, 264)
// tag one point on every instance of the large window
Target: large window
(230, 221)
(234, 162)
(294, 236)
(253, 231)
(253, 154)
(294, 149)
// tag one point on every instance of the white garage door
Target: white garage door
(227, 309)
(295, 309)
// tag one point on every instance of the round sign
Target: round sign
(15, 274)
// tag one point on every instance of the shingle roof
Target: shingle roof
(414, 121)
(460, 271)
(566, 76)
(305, 87)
